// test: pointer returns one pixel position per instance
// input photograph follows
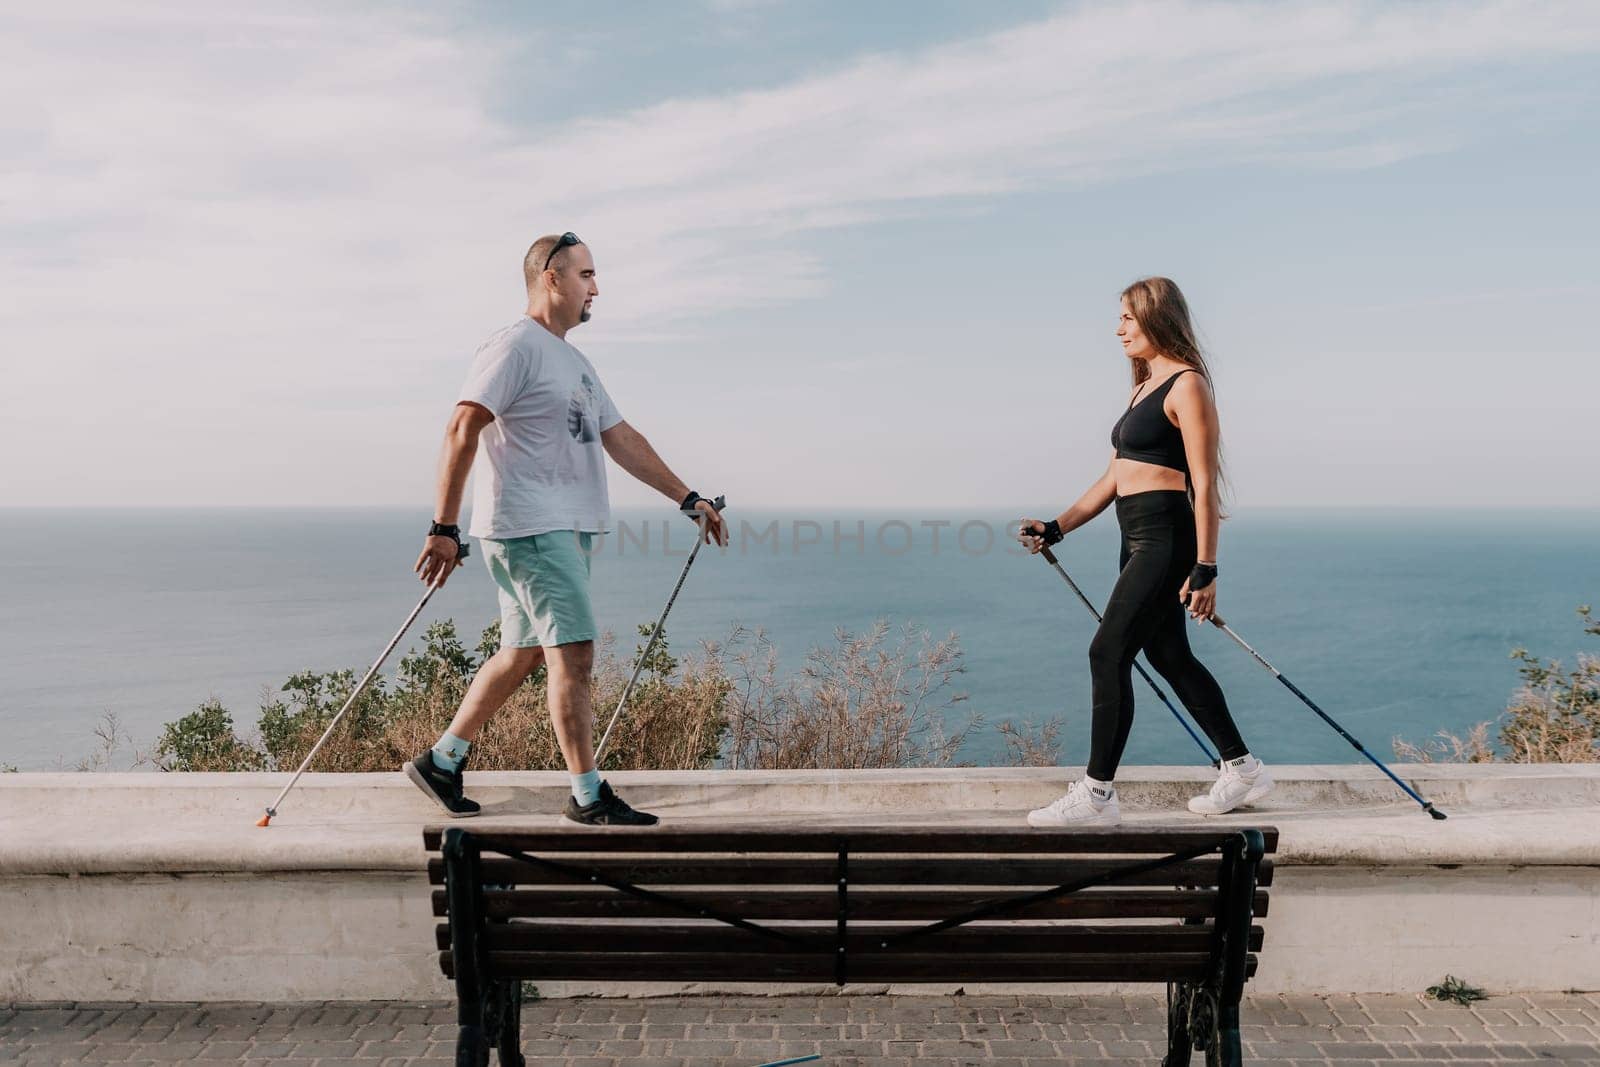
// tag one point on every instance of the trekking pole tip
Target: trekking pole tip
(265, 819)
(1435, 812)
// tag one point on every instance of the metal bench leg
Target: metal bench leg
(510, 1044)
(1225, 989)
(1210, 1027)
(464, 888)
(471, 1051)
(1225, 1048)
(1180, 995)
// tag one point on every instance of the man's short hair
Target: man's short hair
(533, 264)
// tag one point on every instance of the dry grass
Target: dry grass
(1446, 747)
(868, 701)
(1030, 744)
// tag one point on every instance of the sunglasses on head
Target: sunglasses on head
(567, 240)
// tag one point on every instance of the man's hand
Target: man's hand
(438, 560)
(712, 524)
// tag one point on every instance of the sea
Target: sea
(1398, 623)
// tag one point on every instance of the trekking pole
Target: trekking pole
(1427, 806)
(655, 633)
(1050, 558)
(272, 809)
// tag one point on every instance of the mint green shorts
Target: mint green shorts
(544, 588)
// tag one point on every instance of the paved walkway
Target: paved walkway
(851, 1031)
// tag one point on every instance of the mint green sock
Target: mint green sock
(586, 787)
(450, 752)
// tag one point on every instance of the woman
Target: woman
(1163, 476)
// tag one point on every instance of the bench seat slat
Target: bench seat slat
(766, 967)
(765, 837)
(913, 902)
(651, 936)
(779, 870)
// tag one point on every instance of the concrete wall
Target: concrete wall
(153, 887)
(301, 935)
(1401, 929)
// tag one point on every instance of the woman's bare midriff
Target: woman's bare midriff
(1135, 476)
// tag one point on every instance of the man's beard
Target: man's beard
(583, 316)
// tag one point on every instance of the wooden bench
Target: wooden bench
(774, 903)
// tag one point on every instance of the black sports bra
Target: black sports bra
(1144, 432)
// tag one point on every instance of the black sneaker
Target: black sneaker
(442, 786)
(609, 810)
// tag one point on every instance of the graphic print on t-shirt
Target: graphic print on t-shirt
(533, 477)
(580, 412)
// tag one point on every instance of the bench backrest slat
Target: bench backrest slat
(865, 904)
(765, 837)
(822, 870)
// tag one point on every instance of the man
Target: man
(536, 405)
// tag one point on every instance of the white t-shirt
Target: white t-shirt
(540, 463)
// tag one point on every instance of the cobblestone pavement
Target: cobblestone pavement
(848, 1031)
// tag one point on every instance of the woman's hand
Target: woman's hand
(1202, 603)
(1029, 535)
(1036, 535)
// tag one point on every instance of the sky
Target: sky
(850, 255)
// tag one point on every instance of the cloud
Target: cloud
(201, 203)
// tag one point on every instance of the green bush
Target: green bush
(867, 702)
(675, 719)
(203, 740)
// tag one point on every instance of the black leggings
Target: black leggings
(1158, 551)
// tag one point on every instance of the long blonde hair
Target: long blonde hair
(1162, 313)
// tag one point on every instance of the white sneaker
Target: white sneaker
(1242, 781)
(1078, 807)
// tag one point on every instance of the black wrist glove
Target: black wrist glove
(691, 512)
(1202, 575)
(1051, 535)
